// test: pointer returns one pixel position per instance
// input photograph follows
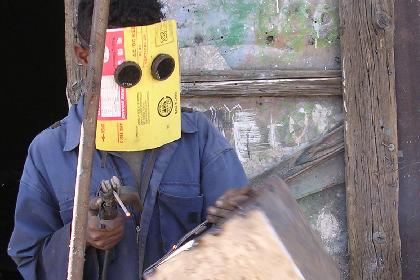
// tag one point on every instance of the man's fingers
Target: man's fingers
(107, 243)
(224, 204)
(110, 243)
(238, 200)
(116, 184)
(228, 202)
(232, 202)
(99, 238)
(219, 212)
(113, 229)
(103, 186)
(94, 205)
(103, 236)
(93, 222)
(113, 224)
(213, 219)
(106, 186)
(98, 233)
(247, 191)
(215, 215)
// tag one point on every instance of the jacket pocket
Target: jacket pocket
(178, 215)
(66, 211)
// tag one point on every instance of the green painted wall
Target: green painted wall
(259, 34)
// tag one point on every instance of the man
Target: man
(189, 175)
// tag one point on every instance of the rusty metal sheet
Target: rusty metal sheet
(407, 73)
(254, 34)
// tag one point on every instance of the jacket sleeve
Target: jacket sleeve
(221, 169)
(39, 242)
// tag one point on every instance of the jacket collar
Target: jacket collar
(75, 118)
(73, 126)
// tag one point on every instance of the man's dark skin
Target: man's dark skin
(106, 238)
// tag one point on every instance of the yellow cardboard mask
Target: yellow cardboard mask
(139, 106)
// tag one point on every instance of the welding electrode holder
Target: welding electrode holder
(108, 209)
(109, 193)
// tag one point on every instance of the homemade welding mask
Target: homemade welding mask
(139, 106)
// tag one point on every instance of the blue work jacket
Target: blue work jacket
(188, 176)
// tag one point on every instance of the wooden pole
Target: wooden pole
(87, 140)
(76, 72)
(371, 144)
(69, 26)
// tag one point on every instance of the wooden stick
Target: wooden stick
(87, 140)
(69, 15)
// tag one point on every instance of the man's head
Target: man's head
(122, 13)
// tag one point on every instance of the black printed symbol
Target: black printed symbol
(165, 106)
(163, 36)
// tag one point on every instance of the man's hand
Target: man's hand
(229, 201)
(109, 234)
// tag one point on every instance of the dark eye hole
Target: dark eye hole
(162, 67)
(127, 74)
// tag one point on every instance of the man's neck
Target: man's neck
(134, 161)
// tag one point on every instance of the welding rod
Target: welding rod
(117, 197)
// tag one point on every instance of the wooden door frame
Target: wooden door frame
(371, 142)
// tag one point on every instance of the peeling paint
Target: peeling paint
(256, 34)
(208, 57)
(317, 23)
(274, 143)
(328, 227)
(319, 117)
(246, 133)
(298, 125)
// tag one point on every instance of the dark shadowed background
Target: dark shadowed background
(33, 95)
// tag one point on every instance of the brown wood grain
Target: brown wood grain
(69, 19)
(367, 48)
(241, 75)
(247, 84)
(75, 71)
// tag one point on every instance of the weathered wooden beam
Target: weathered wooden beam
(69, 24)
(327, 174)
(277, 87)
(367, 50)
(264, 83)
(309, 157)
(243, 75)
(75, 71)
